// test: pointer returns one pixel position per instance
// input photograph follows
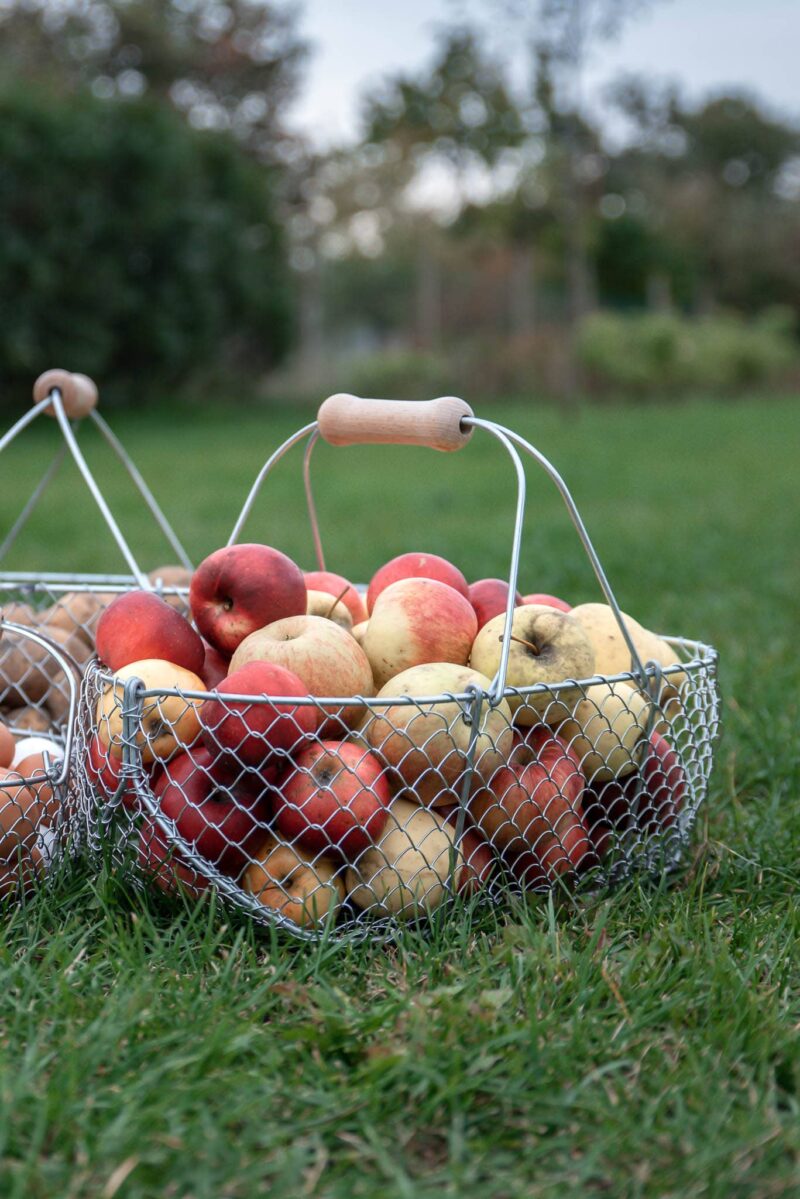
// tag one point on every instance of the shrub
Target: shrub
(133, 247)
(665, 354)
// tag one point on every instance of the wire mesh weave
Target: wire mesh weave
(364, 813)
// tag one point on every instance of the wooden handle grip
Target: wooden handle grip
(350, 420)
(78, 392)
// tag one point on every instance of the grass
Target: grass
(640, 1044)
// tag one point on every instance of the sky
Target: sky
(704, 45)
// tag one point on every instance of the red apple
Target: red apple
(104, 770)
(550, 601)
(416, 566)
(139, 625)
(240, 588)
(218, 823)
(337, 587)
(165, 866)
(416, 622)
(335, 798)
(327, 659)
(489, 598)
(215, 666)
(535, 808)
(258, 735)
(478, 857)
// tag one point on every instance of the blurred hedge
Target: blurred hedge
(133, 248)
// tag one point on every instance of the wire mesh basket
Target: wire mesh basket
(38, 804)
(65, 606)
(462, 768)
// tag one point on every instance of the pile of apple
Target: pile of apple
(258, 750)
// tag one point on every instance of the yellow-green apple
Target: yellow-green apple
(330, 663)
(608, 729)
(219, 824)
(478, 858)
(319, 603)
(535, 809)
(547, 646)
(166, 868)
(335, 798)
(300, 888)
(489, 598)
(167, 721)
(426, 745)
(240, 588)
(138, 625)
(216, 666)
(339, 588)
(258, 735)
(359, 631)
(647, 801)
(415, 566)
(416, 621)
(612, 655)
(413, 866)
(550, 601)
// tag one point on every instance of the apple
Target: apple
(411, 868)
(139, 625)
(359, 631)
(255, 735)
(319, 603)
(340, 588)
(241, 588)
(6, 746)
(426, 744)
(478, 858)
(612, 655)
(607, 730)
(535, 809)
(327, 659)
(647, 800)
(218, 823)
(216, 666)
(548, 647)
(415, 566)
(489, 598)
(550, 601)
(416, 621)
(299, 888)
(335, 798)
(167, 721)
(104, 770)
(165, 866)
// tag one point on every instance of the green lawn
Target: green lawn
(642, 1044)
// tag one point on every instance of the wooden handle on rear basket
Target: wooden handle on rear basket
(350, 420)
(78, 392)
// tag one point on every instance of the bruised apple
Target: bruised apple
(298, 887)
(547, 646)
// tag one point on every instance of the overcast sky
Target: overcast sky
(705, 45)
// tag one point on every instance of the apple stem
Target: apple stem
(528, 644)
(339, 597)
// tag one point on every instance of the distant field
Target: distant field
(644, 1044)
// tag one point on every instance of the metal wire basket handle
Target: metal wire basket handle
(70, 398)
(444, 424)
